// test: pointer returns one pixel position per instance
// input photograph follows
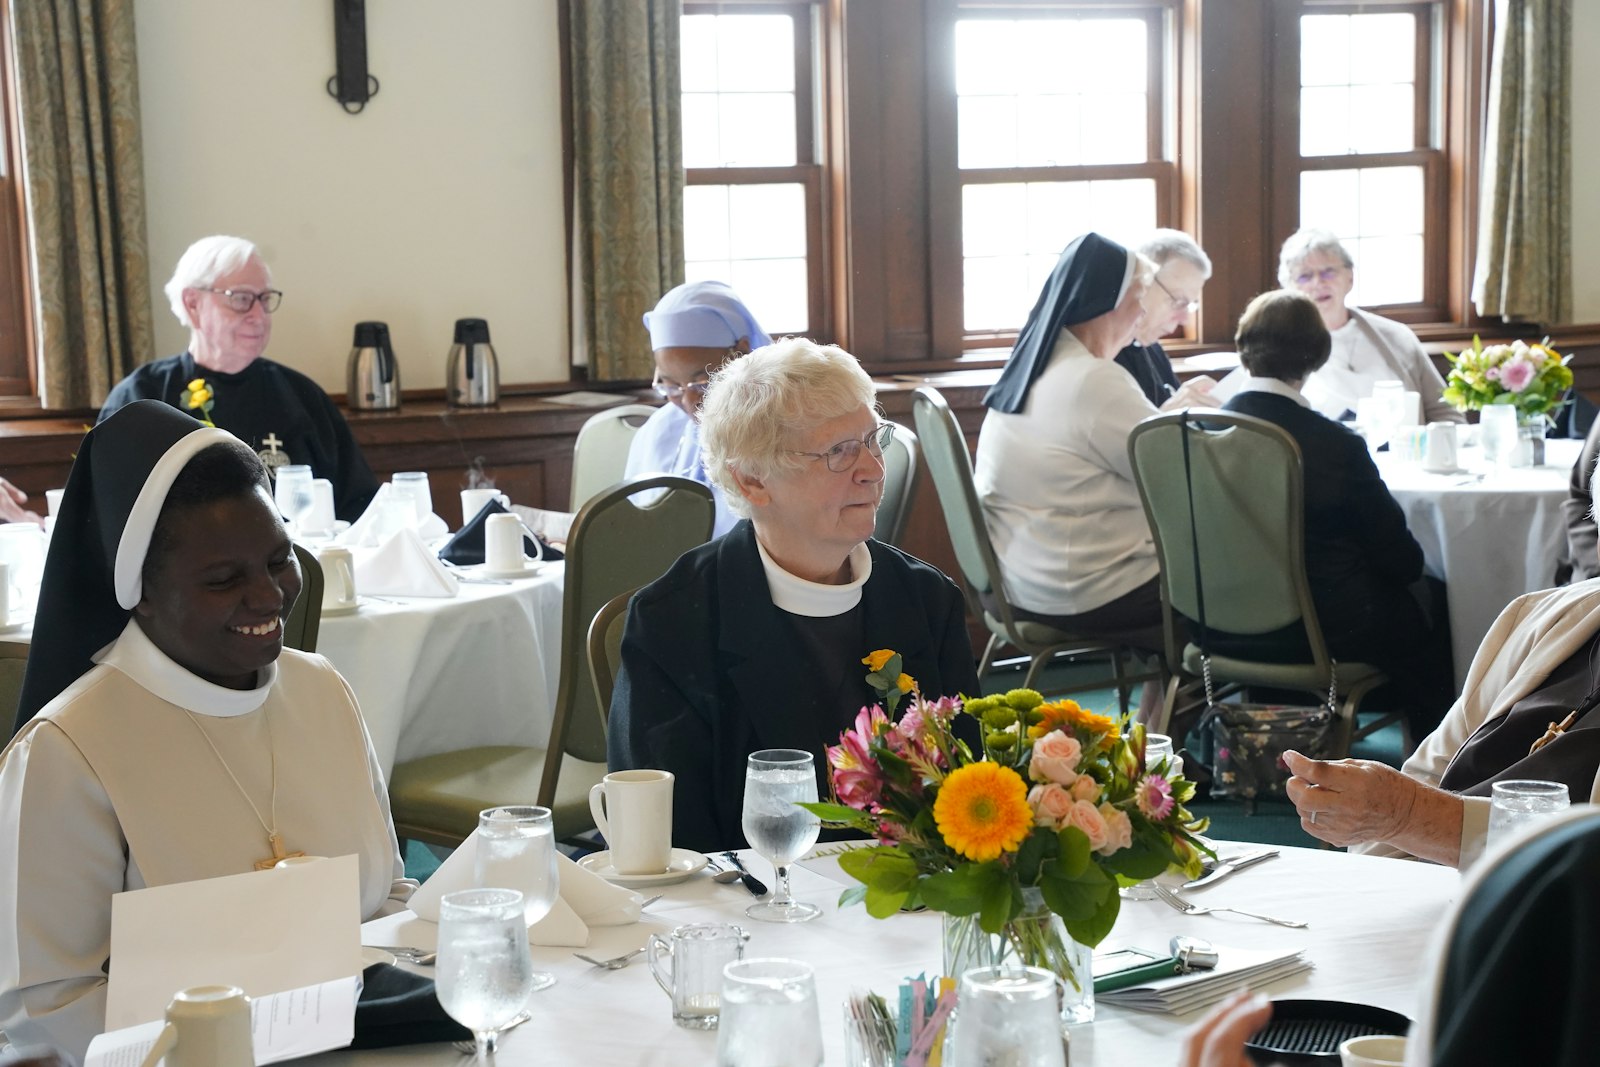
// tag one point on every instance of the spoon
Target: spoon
(726, 877)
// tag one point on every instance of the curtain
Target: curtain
(627, 139)
(79, 82)
(1524, 261)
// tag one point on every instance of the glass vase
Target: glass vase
(1530, 441)
(1035, 938)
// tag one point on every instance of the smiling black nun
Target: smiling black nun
(164, 733)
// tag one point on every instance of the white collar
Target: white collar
(1274, 386)
(135, 655)
(798, 596)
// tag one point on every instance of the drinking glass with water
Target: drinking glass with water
(484, 971)
(517, 850)
(776, 782)
(1516, 802)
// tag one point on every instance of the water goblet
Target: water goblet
(516, 849)
(484, 971)
(776, 781)
(1007, 1015)
(293, 493)
(769, 1015)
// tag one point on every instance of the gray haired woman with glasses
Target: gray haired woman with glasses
(222, 292)
(756, 640)
(1367, 348)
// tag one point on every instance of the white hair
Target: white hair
(758, 404)
(1163, 245)
(203, 263)
(1301, 246)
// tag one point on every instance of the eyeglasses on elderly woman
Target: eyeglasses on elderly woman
(843, 456)
(1326, 274)
(242, 300)
(1177, 301)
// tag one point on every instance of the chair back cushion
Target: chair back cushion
(944, 449)
(600, 453)
(899, 486)
(305, 618)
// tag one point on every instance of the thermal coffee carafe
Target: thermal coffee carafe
(373, 381)
(472, 374)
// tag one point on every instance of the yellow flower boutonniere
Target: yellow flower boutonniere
(198, 399)
(886, 679)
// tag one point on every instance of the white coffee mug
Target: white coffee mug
(52, 500)
(207, 1026)
(6, 600)
(338, 581)
(633, 810)
(502, 544)
(1441, 447)
(475, 500)
(1373, 1050)
(320, 518)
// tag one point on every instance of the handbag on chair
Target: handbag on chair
(1249, 740)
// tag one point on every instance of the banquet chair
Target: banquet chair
(614, 546)
(1249, 522)
(305, 618)
(605, 648)
(600, 453)
(13, 665)
(1520, 943)
(900, 477)
(944, 448)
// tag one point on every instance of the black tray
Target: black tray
(1311, 1031)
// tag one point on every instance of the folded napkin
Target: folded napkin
(368, 530)
(398, 1007)
(586, 899)
(405, 567)
(465, 548)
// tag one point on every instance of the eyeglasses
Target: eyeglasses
(1177, 301)
(242, 300)
(672, 390)
(1326, 274)
(843, 456)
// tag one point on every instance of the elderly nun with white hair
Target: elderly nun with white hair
(694, 330)
(222, 293)
(1181, 271)
(756, 640)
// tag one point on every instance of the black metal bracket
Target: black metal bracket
(352, 86)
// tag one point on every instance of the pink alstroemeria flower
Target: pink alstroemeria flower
(857, 778)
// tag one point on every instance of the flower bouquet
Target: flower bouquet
(1054, 811)
(1532, 378)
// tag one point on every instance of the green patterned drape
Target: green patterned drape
(1524, 269)
(79, 80)
(627, 138)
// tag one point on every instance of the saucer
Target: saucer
(371, 956)
(684, 863)
(1445, 472)
(528, 569)
(348, 609)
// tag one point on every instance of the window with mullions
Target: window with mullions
(752, 202)
(1061, 127)
(1361, 146)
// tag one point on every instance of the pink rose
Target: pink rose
(1085, 788)
(1516, 374)
(1086, 817)
(1119, 830)
(1051, 804)
(1055, 758)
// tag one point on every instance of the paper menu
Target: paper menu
(283, 1026)
(266, 932)
(1236, 968)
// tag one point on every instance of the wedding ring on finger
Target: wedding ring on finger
(1313, 818)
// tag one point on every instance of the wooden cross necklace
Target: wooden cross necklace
(274, 838)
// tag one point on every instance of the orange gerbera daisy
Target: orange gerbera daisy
(982, 810)
(1068, 715)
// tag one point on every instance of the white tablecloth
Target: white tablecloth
(1490, 540)
(433, 675)
(1370, 920)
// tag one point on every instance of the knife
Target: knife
(757, 887)
(1238, 863)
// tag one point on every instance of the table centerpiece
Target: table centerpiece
(1531, 379)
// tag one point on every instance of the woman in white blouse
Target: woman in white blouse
(165, 734)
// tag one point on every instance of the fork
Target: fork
(1190, 908)
(614, 964)
(468, 1048)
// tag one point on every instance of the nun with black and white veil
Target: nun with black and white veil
(1052, 467)
(164, 733)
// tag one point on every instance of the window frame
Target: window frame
(18, 367)
(810, 168)
(1428, 125)
(947, 179)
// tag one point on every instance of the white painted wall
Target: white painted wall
(1585, 165)
(442, 200)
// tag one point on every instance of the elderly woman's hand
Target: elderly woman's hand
(11, 509)
(1218, 1039)
(1354, 802)
(1194, 393)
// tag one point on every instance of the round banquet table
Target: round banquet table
(1490, 533)
(1370, 921)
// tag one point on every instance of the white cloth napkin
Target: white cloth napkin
(405, 567)
(365, 531)
(586, 899)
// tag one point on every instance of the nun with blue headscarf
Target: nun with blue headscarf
(1052, 466)
(694, 329)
